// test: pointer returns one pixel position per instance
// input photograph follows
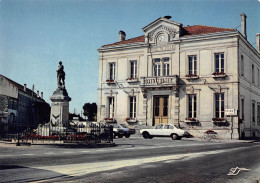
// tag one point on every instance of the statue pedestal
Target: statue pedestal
(59, 118)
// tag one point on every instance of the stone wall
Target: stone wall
(3, 103)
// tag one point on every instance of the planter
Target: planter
(110, 81)
(131, 120)
(191, 120)
(192, 76)
(219, 75)
(132, 80)
(109, 120)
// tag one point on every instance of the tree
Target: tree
(90, 110)
(42, 112)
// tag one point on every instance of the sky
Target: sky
(36, 34)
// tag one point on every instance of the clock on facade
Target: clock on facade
(161, 38)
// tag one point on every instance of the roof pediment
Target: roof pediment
(159, 21)
(162, 31)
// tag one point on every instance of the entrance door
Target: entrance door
(160, 110)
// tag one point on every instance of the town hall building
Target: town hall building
(186, 76)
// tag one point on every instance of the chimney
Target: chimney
(37, 93)
(258, 42)
(32, 89)
(122, 35)
(42, 95)
(243, 24)
(167, 17)
(24, 87)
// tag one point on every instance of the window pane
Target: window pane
(195, 106)
(131, 107)
(217, 105)
(222, 105)
(133, 69)
(165, 69)
(190, 106)
(195, 65)
(217, 62)
(135, 73)
(112, 71)
(155, 70)
(222, 62)
(111, 107)
(190, 65)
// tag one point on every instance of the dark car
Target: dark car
(131, 130)
(120, 131)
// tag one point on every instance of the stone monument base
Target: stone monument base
(59, 118)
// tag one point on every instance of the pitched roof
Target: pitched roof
(20, 87)
(132, 40)
(188, 31)
(202, 29)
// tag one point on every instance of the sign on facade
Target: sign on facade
(230, 112)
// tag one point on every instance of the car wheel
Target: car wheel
(114, 135)
(150, 137)
(146, 135)
(120, 136)
(179, 138)
(174, 136)
(127, 135)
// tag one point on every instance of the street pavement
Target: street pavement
(134, 160)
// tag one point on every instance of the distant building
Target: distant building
(185, 76)
(20, 107)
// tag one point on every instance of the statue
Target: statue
(61, 76)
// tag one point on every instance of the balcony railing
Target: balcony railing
(159, 81)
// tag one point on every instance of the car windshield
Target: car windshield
(176, 126)
(123, 125)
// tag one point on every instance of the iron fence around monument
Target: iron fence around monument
(47, 133)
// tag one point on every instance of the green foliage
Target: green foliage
(42, 112)
(90, 110)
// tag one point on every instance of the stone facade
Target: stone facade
(17, 102)
(185, 76)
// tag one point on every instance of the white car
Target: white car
(164, 130)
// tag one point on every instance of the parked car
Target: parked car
(164, 130)
(120, 131)
(131, 130)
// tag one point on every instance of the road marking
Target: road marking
(67, 152)
(6, 155)
(87, 168)
(235, 171)
(84, 151)
(27, 154)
